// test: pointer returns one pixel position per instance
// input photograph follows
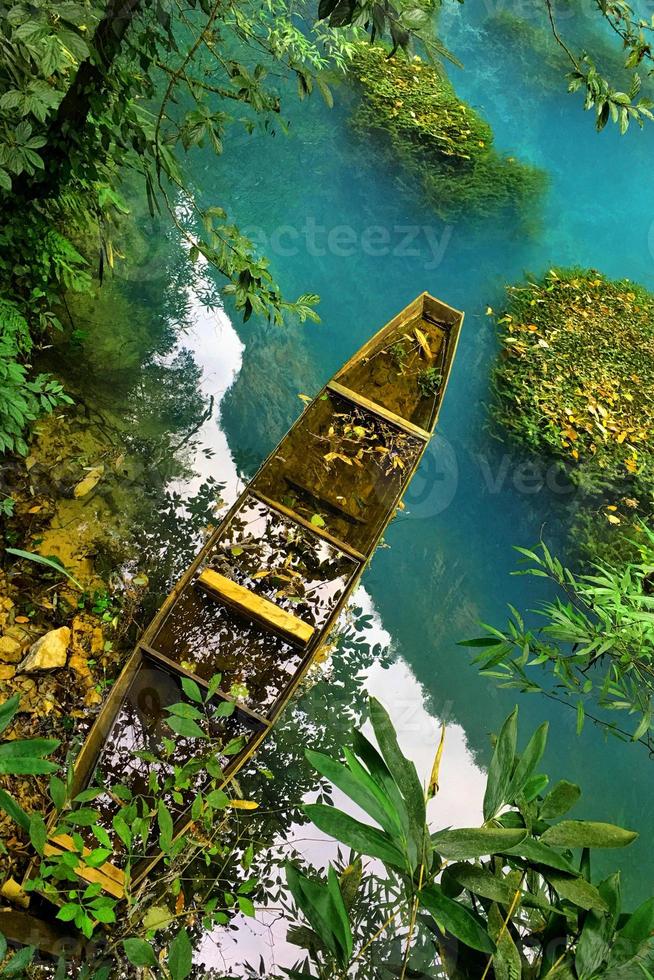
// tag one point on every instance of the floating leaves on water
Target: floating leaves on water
(317, 521)
(89, 482)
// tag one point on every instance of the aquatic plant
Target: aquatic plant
(507, 899)
(440, 139)
(575, 381)
(595, 647)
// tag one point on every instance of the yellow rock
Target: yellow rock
(10, 650)
(6, 672)
(12, 891)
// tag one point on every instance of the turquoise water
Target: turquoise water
(450, 556)
(336, 219)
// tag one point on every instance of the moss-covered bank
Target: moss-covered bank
(440, 139)
(575, 381)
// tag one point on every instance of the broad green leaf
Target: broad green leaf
(636, 931)
(7, 711)
(587, 833)
(38, 832)
(379, 772)
(19, 962)
(165, 821)
(455, 919)
(475, 842)
(576, 890)
(185, 727)
(528, 761)
(139, 953)
(16, 812)
(536, 852)
(359, 787)
(191, 689)
(157, 917)
(24, 756)
(507, 964)
(184, 710)
(481, 882)
(57, 789)
(359, 836)
(501, 766)
(316, 900)
(403, 772)
(180, 956)
(559, 800)
(594, 943)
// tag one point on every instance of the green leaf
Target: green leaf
(475, 842)
(165, 822)
(7, 710)
(587, 833)
(57, 789)
(359, 836)
(68, 912)
(157, 917)
(185, 727)
(403, 772)
(38, 832)
(184, 710)
(501, 766)
(180, 956)
(323, 907)
(528, 761)
(594, 943)
(16, 812)
(507, 964)
(49, 562)
(559, 800)
(18, 963)
(245, 905)
(217, 799)
(635, 932)
(481, 882)
(97, 857)
(24, 756)
(576, 890)
(191, 690)
(536, 852)
(455, 919)
(360, 788)
(139, 953)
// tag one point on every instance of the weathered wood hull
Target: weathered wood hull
(259, 601)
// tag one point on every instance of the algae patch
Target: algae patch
(440, 139)
(575, 381)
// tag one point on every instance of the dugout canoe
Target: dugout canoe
(258, 602)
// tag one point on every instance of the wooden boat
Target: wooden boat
(261, 597)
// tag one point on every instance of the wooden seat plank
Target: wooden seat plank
(256, 607)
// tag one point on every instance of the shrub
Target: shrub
(439, 137)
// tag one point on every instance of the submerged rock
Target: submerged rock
(10, 650)
(49, 651)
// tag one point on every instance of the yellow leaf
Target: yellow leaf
(632, 465)
(243, 804)
(305, 398)
(612, 519)
(422, 340)
(433, 779)
(489, 311)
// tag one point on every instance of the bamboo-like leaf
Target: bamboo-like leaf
(467, 843)
(403, 772)
(536, 852)
(15, 811)
(7, 711)
(559, 800)
(317, 902)
(507, 964)
(501, 767)
(455, 919)
(528, 761)
(48, 562)
(359, 836)
(360, 788)
(587, 833)
(380, 773)
(576, 890)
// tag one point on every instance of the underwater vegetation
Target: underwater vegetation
(439, 138)
(576, 381)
